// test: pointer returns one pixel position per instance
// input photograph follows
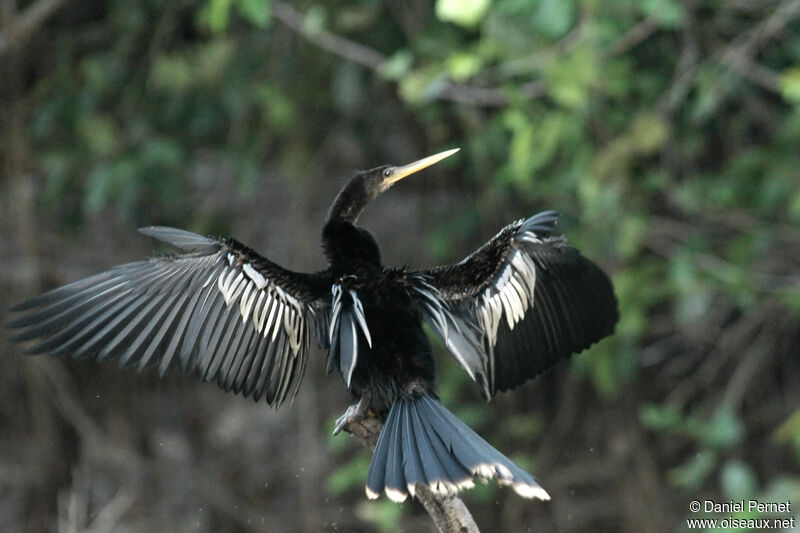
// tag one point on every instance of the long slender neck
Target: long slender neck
(350, 202)
(345, 245)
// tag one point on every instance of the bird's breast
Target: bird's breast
(392, 352)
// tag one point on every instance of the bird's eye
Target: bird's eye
(387, 172)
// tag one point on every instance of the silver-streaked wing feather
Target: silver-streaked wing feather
(220, 311)
(518, 304)
(346, 320)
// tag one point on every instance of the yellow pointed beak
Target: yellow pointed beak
(399, 173)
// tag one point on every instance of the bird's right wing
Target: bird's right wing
(514, 307)
(219, 310)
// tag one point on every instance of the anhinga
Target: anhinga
(506, 313)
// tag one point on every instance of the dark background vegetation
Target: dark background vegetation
(667, 132)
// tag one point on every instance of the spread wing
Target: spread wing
(514, 307)
(220, 311)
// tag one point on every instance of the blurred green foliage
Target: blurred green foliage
(667, 132)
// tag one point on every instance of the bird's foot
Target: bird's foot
(353, 413)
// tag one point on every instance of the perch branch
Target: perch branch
(448, 512)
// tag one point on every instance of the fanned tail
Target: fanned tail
(422, 442)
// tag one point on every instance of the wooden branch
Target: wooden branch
(374, 60)
(633, 37)
(21, 27)
(489, 96)
(738, 56)
(355, 52)
(448, 512)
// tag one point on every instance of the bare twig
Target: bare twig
(489, 96)
(99, 448)
(748, 43)
(21, 27)
(638, 33)
(752, 361)
(448, 512)
(483, 96)
(747, 68)
(685, 70)
(539, 58)
(738, 56)
(107, 519)
(355, 52)
(724, 349)
(373, 60)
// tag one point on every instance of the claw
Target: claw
(354, 412)
(345, 419)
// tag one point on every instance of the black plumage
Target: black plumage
(506, 313)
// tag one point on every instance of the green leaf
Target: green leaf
(256, 12)
(738, 480)
(397, 65)
(648, 132)
(668, 13)
(421, 85)
(790, 297)
(790, 84)
(215, 15)
(99, 133)
(466, 13)
(276, 108)
(693, 297)
(693, 473)
(660, 417)
(384, 514)
(632, 236)
(161, 154)
(794, 206)
(99, 189)
(463, 65)
(315, 19)
(171, 72)
(723, 430)
(555, 17)
(571, 78)
(212, 60)
(789, 432)
(781, 489)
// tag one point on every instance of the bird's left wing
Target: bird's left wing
(514, 307)
(220, 310)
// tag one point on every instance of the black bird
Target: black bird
(506, 313)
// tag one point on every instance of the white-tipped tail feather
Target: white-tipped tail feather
(422, 442)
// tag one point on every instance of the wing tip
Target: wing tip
(542, 223)
(22, 306)
(180, 238)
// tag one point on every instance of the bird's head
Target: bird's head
(383, 177)
(367, 185)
